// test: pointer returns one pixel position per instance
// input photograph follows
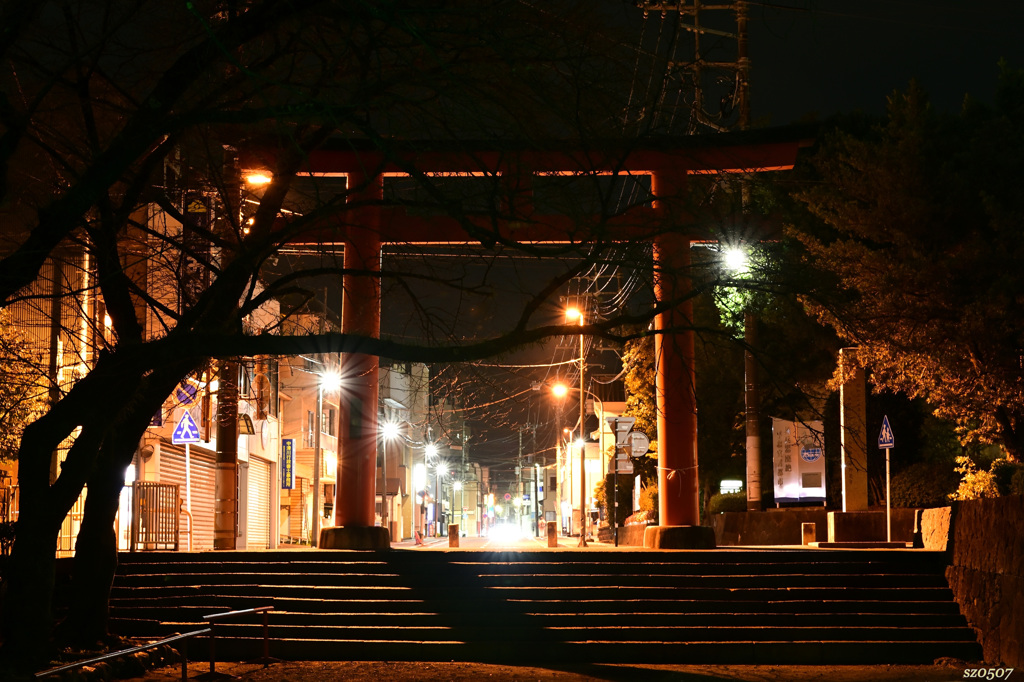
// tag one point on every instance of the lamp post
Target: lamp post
(330, 381)
(457, 485)
(390, 431)
(439, 473)
(737, 261)
(429, 453)
(572, 314)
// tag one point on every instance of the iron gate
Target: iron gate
(154, 516)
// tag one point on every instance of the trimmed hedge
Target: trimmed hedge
(924, 485)
(727, 502)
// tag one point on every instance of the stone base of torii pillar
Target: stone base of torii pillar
(679, 537)
(355, 537)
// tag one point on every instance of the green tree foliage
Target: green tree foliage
(639, 379)
(920, 249)
(638, 363)
(975, 483)
(727, 502)
(22, 394)
(649, 499)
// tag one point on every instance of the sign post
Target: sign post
(185, 433)
(886, 442)
(621, 427)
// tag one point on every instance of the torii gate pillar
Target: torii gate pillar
(678, 509)
(355, 501)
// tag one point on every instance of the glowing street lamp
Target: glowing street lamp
(258, 179)
(735, 260)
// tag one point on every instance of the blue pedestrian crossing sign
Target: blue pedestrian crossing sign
(186, 431)
(885, 438)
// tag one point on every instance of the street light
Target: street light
(390, 431)
(328, 381)
(572, 314)
(737, 261)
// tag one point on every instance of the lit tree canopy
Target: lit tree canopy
(22, 395)
(922, 245)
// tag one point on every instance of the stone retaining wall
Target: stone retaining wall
(985, 543)
(783, 526)
(629, 536)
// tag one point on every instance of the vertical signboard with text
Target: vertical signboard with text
(798, 456)
(287, 463)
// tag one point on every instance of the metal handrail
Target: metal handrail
(182, 637)
(266, 659)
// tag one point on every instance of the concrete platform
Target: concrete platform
(861, 545)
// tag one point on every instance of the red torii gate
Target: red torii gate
(668, 162)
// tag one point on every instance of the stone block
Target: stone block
(935, 525)
(679, 537)
(807, 533)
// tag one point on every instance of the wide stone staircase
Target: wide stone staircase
(710, 606)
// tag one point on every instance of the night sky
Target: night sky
(827, 56)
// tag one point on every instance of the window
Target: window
(273, 374)
(244, 380)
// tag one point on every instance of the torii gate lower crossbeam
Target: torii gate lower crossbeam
(373, 224)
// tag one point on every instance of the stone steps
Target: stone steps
(798, 606)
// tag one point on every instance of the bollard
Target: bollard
(552, 535)
(453, 535)
(808, 530)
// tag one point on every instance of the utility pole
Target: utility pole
(702, 71)
(710, 65)
(752, 399)
(462, 498)
(519, 481)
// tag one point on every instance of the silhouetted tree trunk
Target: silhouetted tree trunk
(96, 547)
